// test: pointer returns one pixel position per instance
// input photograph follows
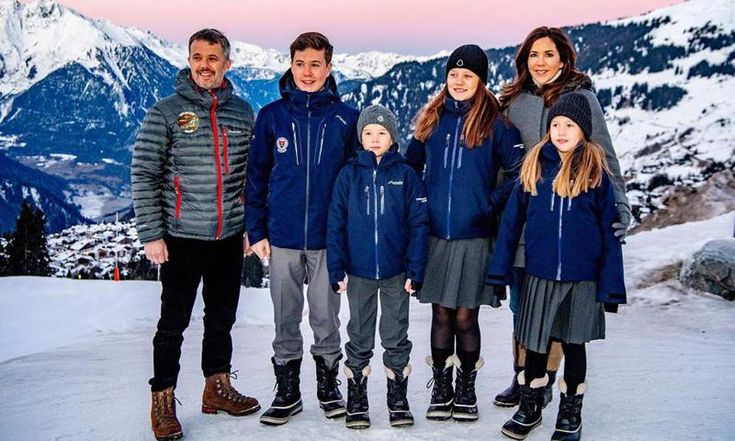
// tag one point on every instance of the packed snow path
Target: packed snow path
(75, 357)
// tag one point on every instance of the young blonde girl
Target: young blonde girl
(574, 263)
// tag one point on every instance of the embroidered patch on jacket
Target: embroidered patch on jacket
(395, 182)
(519, 146)
(188, 121)
(281, 144)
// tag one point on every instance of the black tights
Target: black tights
(575, 364)
(448, 325)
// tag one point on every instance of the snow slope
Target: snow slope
(75, 357)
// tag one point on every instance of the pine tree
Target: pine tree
(27, 251)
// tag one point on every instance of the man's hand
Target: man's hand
(156, 251)
(341, 286)
(246, 245)
(408, 288)
(262, 249)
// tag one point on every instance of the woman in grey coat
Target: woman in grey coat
(546, 70)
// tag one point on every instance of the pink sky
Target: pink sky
(404, 26)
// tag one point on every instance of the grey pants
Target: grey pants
(362, 295)
(288, 270)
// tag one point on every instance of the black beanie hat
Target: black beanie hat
(575, 107)
(471, 57)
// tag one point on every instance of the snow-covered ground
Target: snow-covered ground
(75, 357)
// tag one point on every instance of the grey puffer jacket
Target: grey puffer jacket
(189, 161)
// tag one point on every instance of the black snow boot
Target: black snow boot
(399, 411)
(528, 415)
(465, 400)
(357, 399)
(569, 419)
(442, 393)
(549, 388)
(511, 396)
(327, 388)
(288, 395)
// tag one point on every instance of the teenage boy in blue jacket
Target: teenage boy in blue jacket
(301, 141)
(377, 243)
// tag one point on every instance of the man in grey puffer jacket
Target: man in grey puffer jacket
(188, 175)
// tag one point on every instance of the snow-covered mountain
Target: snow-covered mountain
(74, 90)
(665, 80)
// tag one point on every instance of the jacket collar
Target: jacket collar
(366, 158)
(187, 88)
(457, 107)
(550, 154)
(305, 101)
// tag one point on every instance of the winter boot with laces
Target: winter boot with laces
(511, 396)
(528, 415)
(442, 393)
(219, 395)
(399, 411)
(357, 400)
(327, 388)
(288, 396)
(465, 400)
(163, 415)
(569, 419)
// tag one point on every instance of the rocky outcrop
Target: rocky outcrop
(712, 269)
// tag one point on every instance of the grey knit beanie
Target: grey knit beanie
(377, 114)
(575, 107)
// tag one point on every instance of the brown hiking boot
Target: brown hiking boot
(219, 395)
(163, 416)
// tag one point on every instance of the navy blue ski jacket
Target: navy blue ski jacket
(567, 239)
(300, 143)
(378, 222)
(461, 183)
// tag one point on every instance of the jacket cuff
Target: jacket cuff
(493, 279)
(611, 307)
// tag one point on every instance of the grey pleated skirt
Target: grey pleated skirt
(566, 311)
(455, 274)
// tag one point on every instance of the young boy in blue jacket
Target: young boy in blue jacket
(377, 233)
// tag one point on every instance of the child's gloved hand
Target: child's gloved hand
(625, 217)
(610, 307)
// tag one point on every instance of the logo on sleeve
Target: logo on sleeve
(281, 144)
(188, 121)
(519, 146)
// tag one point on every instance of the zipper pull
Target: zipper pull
(367, 198)
(382, 199)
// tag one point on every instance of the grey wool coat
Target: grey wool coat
(189, 159)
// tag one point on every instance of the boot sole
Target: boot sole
(514, 435)
(505, 404)
(357, 425)
(213, 411)
(336, 413)
(401, 423)
(170, 437)
(461, 417)
(272, 421)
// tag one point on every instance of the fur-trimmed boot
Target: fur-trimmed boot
(528, 415)
(165, 425)
(327, 388)
(399, 412)
(357, 399)
(219, 395)
(442, 392)
(465, 400)
(288, 394)
(569, 418)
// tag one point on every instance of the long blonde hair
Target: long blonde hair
(480, 119)
(579, 172)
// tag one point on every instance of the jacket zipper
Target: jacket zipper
(218, 163)
(295, 141)
(321, 144)
(308, 148)
(382, 199)
(367, 197)
(558, 246)
(451, 177)
(375, 217)
(177, 187)
(225, 141)
(446, 149)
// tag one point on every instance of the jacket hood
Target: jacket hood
(186, 87)
(457, 107)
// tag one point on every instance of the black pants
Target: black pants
(219, 264)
